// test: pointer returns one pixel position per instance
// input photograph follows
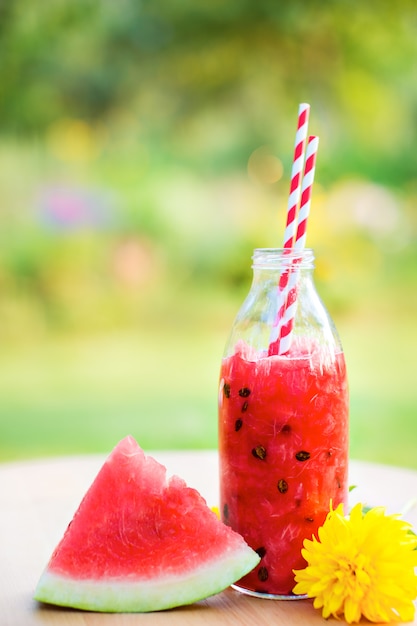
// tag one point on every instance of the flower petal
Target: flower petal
(363, 564)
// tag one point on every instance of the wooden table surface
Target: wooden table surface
(39, 498)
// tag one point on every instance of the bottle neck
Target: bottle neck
(282, 259)
(283, 301)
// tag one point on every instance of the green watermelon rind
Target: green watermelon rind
(142, 596)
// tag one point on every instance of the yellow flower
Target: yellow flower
(361, 565)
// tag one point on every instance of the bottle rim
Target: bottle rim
(282, 258)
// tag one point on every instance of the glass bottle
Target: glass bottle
(283, 419)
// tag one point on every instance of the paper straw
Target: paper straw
(307, 187)
(287, 319)
(297, 168)
(295, 190)
(293, 202)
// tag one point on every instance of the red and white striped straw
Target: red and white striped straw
(293, 202)
(307, 187)
(296, 171)
(287, 320)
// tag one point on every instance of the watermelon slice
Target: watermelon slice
(141, 541)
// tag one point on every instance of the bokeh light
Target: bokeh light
(145, 151)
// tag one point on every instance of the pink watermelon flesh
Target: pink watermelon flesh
(142, 542)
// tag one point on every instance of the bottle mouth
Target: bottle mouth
(282, 258)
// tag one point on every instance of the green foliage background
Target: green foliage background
(130, 206)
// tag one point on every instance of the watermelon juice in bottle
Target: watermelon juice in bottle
(283, 423)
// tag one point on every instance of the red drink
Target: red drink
(283, 443)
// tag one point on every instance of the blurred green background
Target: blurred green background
(145, 150)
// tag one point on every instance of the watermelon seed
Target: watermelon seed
(261, 552)
(302, 455)
(259, 452)
(309, 519)
(245, 406)
(226, 390)
(238, 424)
(282, 486)
(226, 511)
(244, 392)
(263, 574)
(286, 428)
